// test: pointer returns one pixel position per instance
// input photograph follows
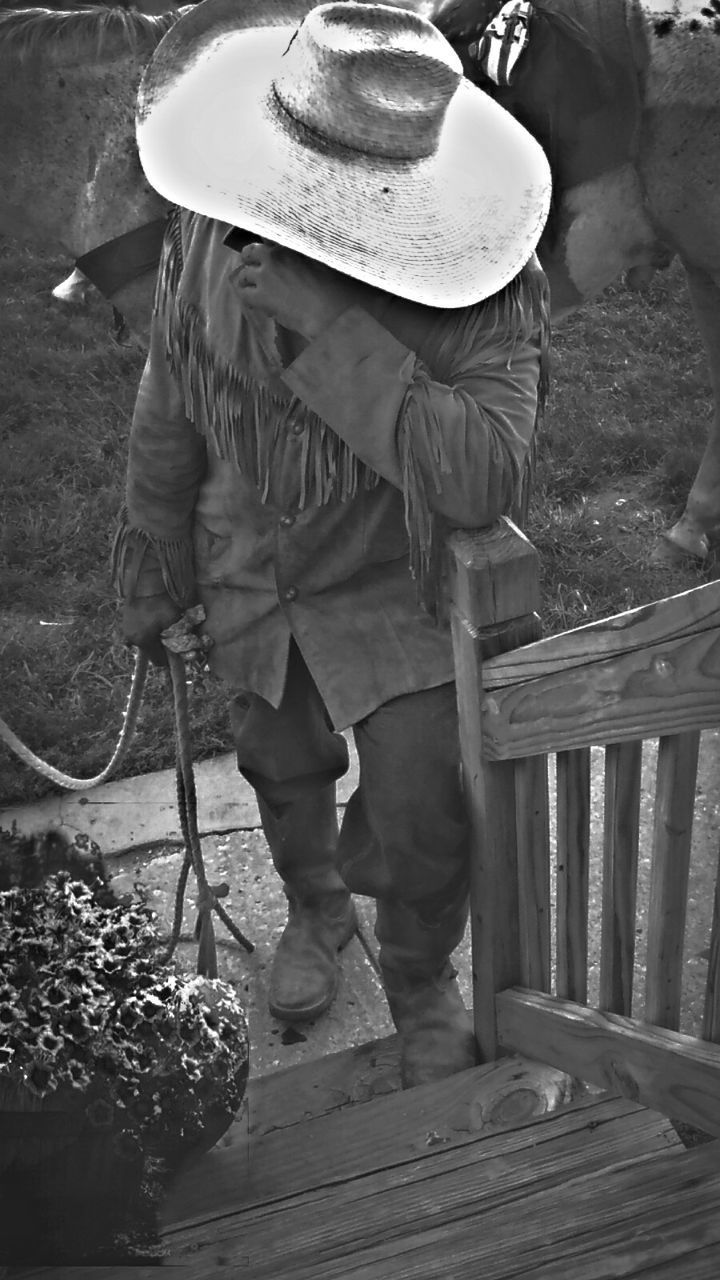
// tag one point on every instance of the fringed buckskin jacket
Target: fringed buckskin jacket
(304, 489)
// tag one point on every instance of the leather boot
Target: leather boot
(321, 917)
(435, 1028)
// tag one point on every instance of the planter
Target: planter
(116, 1069)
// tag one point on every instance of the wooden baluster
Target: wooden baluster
(672, 834)
(495, 595)
(711, 1015)
(623, 763)
(533, 862)
(573, 860)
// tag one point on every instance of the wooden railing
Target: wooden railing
(652, 672)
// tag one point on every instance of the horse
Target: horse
(71, 175)
(76, 287)
(74, 174)
(636, 179)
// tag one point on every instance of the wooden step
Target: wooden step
(489, 1099)
(594, 1192)
(498, 1173)
(325, 1187)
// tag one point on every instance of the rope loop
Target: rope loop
(66, 780)
(186, 653)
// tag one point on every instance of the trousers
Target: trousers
(404, 837)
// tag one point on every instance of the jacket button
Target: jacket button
(290, 593)
(298, 428)
(287, 520)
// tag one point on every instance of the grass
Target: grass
(627, 422)
(626, 425)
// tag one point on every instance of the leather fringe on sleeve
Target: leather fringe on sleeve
(134, 550)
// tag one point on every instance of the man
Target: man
(320, 404)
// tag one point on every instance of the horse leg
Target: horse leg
(701, 517)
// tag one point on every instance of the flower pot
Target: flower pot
(67, 1185)
(118, 1069)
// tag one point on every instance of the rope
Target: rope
(128, 728)
(180, 644)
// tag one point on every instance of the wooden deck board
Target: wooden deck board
(412, 1170)
(278, 1147)
(602, 1225)
(440, 1193)
(701, 1264)
(352, 1076)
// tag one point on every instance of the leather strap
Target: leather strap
(118, 262)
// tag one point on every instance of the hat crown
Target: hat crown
(374, 78)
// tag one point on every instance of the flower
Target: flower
(39, 1079)
(9, 1009)
(49, 1043)
(55, 993)
(86, 1005)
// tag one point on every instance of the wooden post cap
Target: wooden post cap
(493, 574)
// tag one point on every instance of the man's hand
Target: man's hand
(142, 621)
(300, 295)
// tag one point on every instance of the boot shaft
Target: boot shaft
(415, 949)
(302, 836)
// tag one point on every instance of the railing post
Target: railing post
(495, 598)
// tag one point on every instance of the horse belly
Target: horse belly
(679, 145)
(605, 231)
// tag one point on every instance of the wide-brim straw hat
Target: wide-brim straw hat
(345, 132)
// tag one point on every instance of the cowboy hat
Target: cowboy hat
(347, 133)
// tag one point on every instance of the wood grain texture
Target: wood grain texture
(621, 829)
(711, 1012)
(675, 1074)
(494, 574)
(483, 886)
(612, 1223)
(317, 1087)
(267, 1162)
(533, 863)
(494, 592)
(495, 922)
(177, 1270)
(675, 618)
(670, 687)
(380, 1214)
(573, 862)
(672, 833)
(279, 1102)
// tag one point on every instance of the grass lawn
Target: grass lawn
(625, 427)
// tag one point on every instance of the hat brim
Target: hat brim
(446, 231)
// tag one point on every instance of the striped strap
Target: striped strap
(498, 49)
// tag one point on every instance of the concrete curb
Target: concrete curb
(141, 811)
